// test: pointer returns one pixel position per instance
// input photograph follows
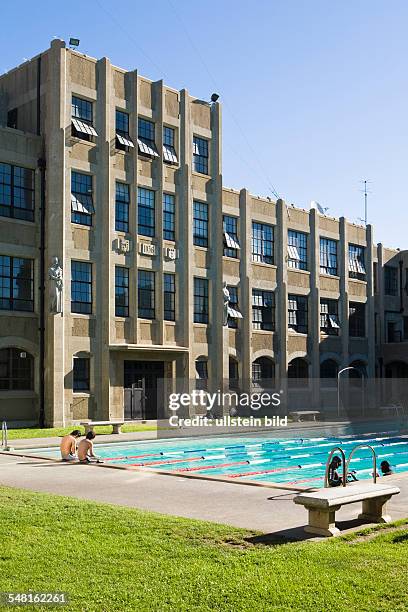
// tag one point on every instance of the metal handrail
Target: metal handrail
(326, 476)
(4, 440)
(374, 459)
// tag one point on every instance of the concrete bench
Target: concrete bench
(299, 415)
(323, 504)
(90, 425)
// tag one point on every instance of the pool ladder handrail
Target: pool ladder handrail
(347, 463)
(4, 439)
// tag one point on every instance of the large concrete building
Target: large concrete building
(120, 178)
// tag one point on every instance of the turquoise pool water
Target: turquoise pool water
(297, 461)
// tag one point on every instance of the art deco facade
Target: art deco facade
(120, 178)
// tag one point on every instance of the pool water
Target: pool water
(297, 461)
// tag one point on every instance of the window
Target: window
(375, 277)
(146, 299)
(297, 313)
(169, 290)
(297, 250)
(81, 287)
(357, 262)
(201, 366)
(200, 300)
(233, 307)
(82, 119)
(123, 140)
(298, 370)
(169, 152)
(81, 374)
(263, 310)
(169, 213)
(200, 223)
(328, 257)
(263, 371)
(122, 207)
(16, 370)
(16, 283)
(329, 369)
(329, 317)
(121, 291)
(146, 139)
(16, 192)
(12, 117)
(82, 207)
(356, 319)
(405, 328)
(390, 280)
(233, 373)
(200, 155)
(145, 212)
(262, 243)
(231, 243)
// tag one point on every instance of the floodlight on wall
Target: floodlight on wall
(74, 42)
(214, 97)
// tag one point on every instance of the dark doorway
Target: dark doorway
(143, 382)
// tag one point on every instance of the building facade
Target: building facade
(124, 260)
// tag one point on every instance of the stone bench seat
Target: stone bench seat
(90, 425)
(323, 504)
(299, 415)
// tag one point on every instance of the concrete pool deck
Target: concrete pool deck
(268, 510)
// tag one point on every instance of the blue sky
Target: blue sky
(315, 93)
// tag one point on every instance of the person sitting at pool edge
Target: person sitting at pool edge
(68, 446)
(335, 480)
(386, 469)
(85, 449)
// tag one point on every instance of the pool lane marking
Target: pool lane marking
(168, 461)
(212, 467)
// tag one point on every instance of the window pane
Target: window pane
(145, 208)
(81, 287)
(121, 291)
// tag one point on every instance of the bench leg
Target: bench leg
(374, 510)
(323, 522)
(117, 429)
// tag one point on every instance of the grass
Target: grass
(109, 558)
(33, 432)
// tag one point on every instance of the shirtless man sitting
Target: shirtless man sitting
(85, 449)
(68, 446)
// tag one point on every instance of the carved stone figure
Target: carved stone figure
(226, 299)
(57, 283)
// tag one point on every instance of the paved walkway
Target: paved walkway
(257, 508)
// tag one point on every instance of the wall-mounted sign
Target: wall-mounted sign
(170, 253)
(147, 248)
(122, 245)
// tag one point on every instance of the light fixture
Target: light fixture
(74, 42)
(214, 97)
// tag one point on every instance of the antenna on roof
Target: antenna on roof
(318, 207)
(365, 191)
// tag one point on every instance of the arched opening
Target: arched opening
(16, 370)
(201, 366)
(359, 369)
(233, 373)
(263, 372)
(329, 368)
(298, 371)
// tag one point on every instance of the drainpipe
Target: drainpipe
(41, 167)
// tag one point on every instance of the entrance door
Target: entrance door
(143, 382)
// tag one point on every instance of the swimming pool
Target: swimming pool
(262, 459)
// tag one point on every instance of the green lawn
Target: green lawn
(18, 434)
(111, 558)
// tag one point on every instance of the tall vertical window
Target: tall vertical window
(233, 307)
(262, 243)
(169, 214)
(145, 212)
(200, 155)
(16, 370)
(263, 309)
(297, 313)
(123, 140)
(82, 119)
(16, 192)
(82, 207)
(146, 294)
(16, 283)
(81, 374)
(121, 291)
(329, 317)
(169, 290)
(146, 138)
(405, 328)
(200, 223)
(169, 150)
(356, 319)
(328, 256)
(357, 262)
(200, 300)
(390, 280)
(297, 250)
(231, 242)
(81, 287)
(122, 199)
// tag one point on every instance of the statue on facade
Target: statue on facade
(226, 298)
(57, 283)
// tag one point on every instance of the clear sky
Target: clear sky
(314, 92)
